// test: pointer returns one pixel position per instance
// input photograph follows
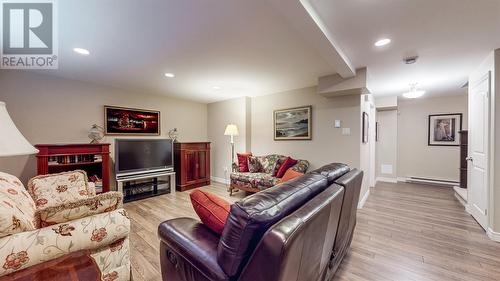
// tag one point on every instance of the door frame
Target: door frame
(489, 146)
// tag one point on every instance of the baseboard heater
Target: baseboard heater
(431, 181)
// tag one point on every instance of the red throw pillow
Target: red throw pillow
(212, 210)
(287, 164)
(290, 174)
(243, 161)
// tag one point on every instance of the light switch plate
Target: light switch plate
(346, 131)
(337, 124)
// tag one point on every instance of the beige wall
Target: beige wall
(415, 157)
(48, 109)
(327, 144)
(387, 145)
(219, 115)
(367, 150)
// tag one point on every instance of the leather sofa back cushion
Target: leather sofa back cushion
(211, 209)
(332, 171)
(251, 217)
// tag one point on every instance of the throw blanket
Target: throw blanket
(72, 267)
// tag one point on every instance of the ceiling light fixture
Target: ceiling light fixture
(81, 51)
(414, 93)
(169, 75)
(382, 42)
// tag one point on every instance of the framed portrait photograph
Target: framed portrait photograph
(366, 127)
(293, 123)
(444, 128)
(131, 121)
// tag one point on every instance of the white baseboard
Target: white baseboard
(495, 236)
(362, 202)
(384, 179)
(401, 179)
(427, 181)
(219, 180)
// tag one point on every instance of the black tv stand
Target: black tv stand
(136, 187)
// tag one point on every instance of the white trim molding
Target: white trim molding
(495, 236)
(385, 179)
(362, 202)
(219, 180)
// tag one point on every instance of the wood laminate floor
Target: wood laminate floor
(404, 232)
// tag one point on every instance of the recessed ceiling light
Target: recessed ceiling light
(169, 75)
(414, 93)
(382, 42)
(81, 51)
(216, 87)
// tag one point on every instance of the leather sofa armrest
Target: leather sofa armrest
(188, 251)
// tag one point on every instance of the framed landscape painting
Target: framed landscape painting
(444, 128)
(131, 121)
(293, 123)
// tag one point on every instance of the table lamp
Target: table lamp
(12, 142)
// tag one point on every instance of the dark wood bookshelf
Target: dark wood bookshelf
(57, 158)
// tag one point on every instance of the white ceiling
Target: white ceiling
(250, 48)
(452, 37)
(241, 46)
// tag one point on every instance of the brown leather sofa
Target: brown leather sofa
(298, 230)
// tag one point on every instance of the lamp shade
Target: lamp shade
(231, 130)
(12, 142)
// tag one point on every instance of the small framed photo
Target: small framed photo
(366, 127)
(131, 121)
(444, 128)
(293, 123)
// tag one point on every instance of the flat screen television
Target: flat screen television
(137, 156)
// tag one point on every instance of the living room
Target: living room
(250, 140)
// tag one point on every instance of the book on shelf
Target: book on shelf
(74, 159)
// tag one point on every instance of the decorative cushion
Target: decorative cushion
(254, 165)
(288, 163)
(268, 163)
(211, 209)
(105, 202)
(290, 174)
(243, 161)
(17, 209)
(278, 164)
(301, 166)
(56, 189)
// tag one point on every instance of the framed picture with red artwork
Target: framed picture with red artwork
(131, 121)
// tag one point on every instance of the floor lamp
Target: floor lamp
(12, 142)
(231, 130)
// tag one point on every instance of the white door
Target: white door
(478, 171)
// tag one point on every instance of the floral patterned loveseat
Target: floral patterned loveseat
(268, 166)
(59, 228)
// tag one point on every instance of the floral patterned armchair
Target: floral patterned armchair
(60, 228)
(265, 177)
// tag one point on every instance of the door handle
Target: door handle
(469, 159)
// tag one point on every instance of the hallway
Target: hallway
(418, 232)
